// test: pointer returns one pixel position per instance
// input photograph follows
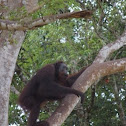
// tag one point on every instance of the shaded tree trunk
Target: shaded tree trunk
(9, 49)
(8, 57)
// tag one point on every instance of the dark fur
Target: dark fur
(73, 77)
(47, 84)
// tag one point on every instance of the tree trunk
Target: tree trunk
(11, 41)
(86, 79)
(8, 57)
(9, 49)
(92, 74)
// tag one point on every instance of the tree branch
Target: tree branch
(93, 73)
(110, 48)
(24, 25)
(90, 75)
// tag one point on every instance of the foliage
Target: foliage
(77, 42)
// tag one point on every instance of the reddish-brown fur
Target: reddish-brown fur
(47, 84)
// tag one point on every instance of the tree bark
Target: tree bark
(27, 25)
(110, 48)
(10, 46)
(9, 49)
(93, 73)
(90, 75)
(8, 57)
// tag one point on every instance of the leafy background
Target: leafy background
(76, 42)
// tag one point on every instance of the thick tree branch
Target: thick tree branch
(23, 25)
(91, 74)
(110, 48)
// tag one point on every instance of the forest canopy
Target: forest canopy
(76, 41)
